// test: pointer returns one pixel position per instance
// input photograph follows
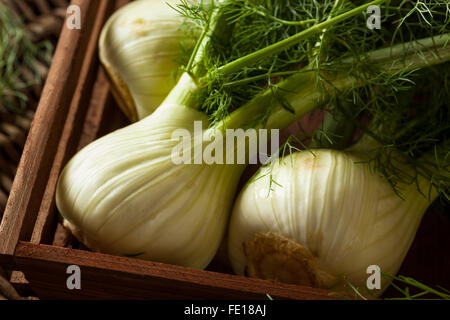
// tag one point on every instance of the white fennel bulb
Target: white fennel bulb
(124, 195)
(327, 218)
(138, 47)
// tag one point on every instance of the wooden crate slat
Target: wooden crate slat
(42, 142)
(101, 99)
(73, 126)
(21, 284)
(112, 277)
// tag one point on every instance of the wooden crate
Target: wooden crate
(76, 107)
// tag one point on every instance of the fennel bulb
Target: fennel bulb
(138, 47)
(124, 195)
(323, 218)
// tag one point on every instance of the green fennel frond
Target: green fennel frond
(256, 24)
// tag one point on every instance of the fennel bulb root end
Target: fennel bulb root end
(271, 256)
(121, 93)
(80, 236)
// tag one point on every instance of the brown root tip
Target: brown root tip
(273, 257)
(121, 93)
(80, 236)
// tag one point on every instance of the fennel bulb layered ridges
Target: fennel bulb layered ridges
(138, 203)
(327, 212)
(139, 46)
